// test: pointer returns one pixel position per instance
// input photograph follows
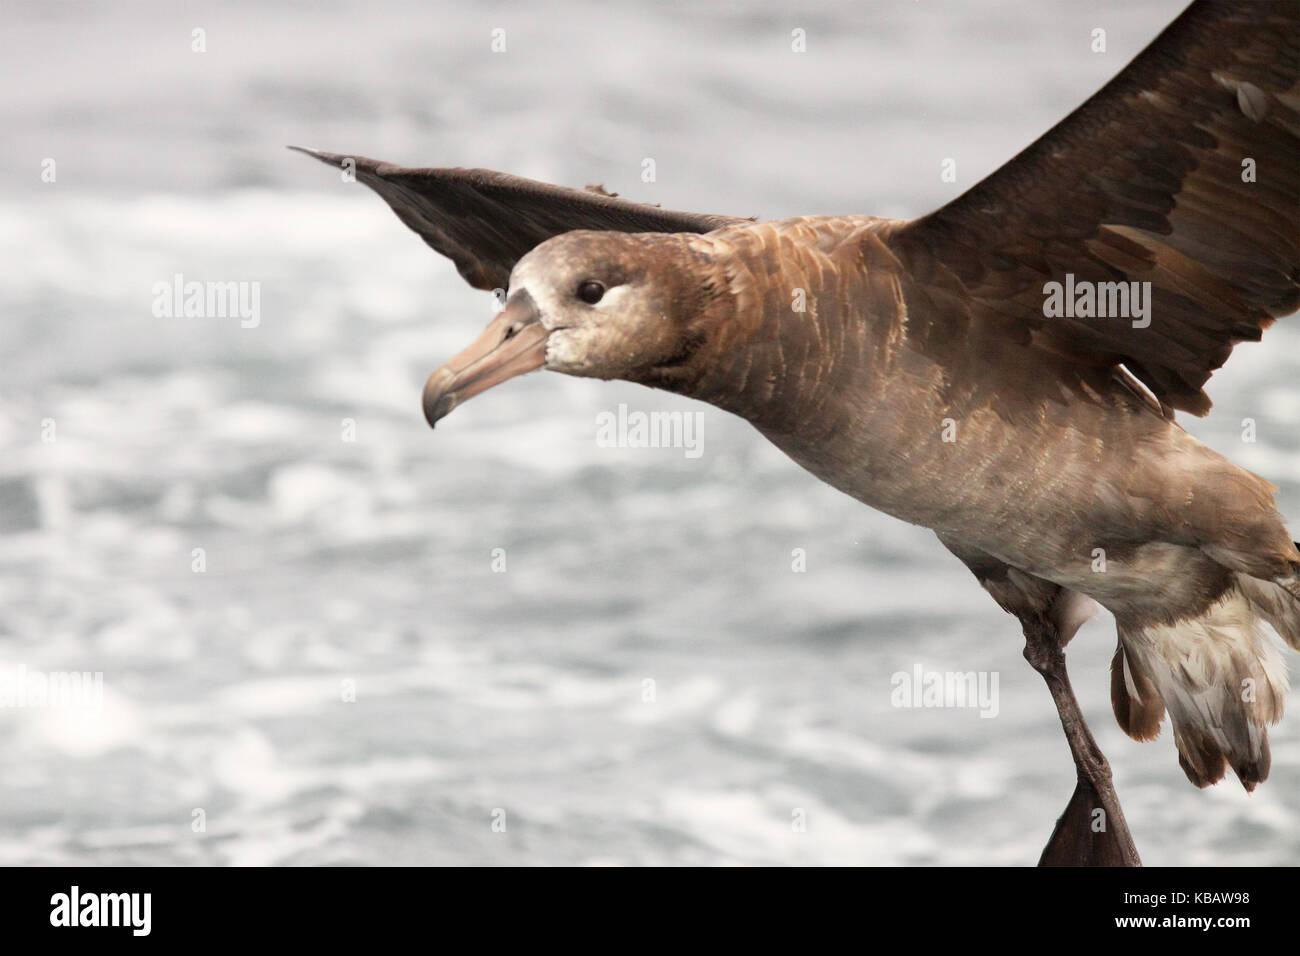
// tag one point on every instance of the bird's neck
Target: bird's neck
(778, 351)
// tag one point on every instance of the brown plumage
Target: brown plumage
(923, 376)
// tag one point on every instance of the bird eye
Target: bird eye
(590, 291)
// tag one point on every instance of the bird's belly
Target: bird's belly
(1047, 503)
(1142, 520)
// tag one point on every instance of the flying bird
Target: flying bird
(1006, 370)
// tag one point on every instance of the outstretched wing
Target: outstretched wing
(485, 221)
(1183, 171)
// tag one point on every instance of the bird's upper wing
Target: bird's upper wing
(485, 221)
(1183, 171)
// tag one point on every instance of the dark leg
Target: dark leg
(1083, 836)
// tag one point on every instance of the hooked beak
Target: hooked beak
(512, 344)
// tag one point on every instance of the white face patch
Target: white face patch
(577, 329)
(566, 351)
(550, 307)
(615, 300)
(604, 339)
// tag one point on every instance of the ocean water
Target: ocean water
(348, 680)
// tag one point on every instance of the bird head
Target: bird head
(594, 304)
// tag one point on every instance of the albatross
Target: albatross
(1006, 370)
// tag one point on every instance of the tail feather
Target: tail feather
(1222, 680)
(1135, 700)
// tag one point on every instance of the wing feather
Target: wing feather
(485, 221)
(1146, 182)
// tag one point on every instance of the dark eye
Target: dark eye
(590, 291)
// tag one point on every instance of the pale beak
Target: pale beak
(513, 343)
